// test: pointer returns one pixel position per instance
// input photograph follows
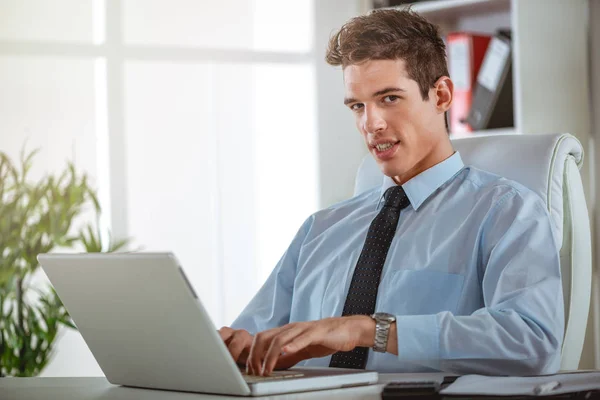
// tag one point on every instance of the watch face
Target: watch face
(384, 317)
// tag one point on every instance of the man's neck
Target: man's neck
(439, 153)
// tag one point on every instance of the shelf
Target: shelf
(452, 9)
(487, 132)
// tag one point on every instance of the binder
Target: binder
(492, 105)
(465, 57)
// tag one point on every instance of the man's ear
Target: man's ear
(444, 93)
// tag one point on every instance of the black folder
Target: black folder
(492, 105)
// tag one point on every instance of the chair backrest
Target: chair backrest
(548, 165)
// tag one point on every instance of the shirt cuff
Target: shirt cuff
(418, 337)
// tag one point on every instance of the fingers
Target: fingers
(299, 341)
(225, 333)
(238, 342)
(260, 345)
(278, 344)
(289, 360)
(239, 346)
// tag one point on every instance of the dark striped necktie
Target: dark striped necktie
(362, 294)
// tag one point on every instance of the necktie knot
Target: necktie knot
(396, 197)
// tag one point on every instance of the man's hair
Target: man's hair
(389, 34)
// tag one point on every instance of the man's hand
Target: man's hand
(238, 342)
(302, 340)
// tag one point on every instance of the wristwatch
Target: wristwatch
(383, 321)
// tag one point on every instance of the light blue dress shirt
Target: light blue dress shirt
(472, 275)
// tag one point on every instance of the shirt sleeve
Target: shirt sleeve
(271, 305)
(519, 330)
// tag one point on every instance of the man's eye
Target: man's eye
(390, 99)
(356, 106)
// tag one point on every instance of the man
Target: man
(464, 262)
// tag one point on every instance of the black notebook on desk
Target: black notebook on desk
(422, 389)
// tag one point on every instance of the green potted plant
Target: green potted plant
(37, 217)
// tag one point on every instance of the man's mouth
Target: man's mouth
(385, 151)
(385, 146)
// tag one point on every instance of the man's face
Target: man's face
(401, 130)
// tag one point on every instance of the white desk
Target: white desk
(100, 389)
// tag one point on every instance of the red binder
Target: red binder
(465, 56)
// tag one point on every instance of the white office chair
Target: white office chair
(549, 165)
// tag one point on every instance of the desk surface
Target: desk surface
(100, 389)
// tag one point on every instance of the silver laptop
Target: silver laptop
(146, 327)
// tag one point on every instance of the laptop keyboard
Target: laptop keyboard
(275, 375)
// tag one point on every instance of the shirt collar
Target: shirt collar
(422, 186)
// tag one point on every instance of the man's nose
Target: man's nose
(374, 121)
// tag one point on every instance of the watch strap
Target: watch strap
(382, 332)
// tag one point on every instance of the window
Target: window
(195, 119)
